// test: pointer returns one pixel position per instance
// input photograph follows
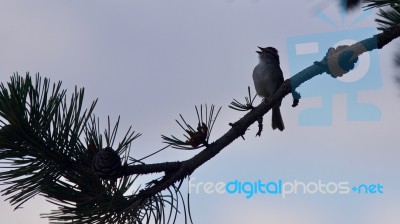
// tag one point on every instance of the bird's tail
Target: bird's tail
(277, 121)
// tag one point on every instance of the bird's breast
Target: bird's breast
(267, 78)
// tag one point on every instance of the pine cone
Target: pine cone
(107, 163)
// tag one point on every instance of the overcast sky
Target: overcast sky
(150, 61)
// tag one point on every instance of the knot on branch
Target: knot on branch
(338, 61)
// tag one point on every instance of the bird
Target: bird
(268, 77)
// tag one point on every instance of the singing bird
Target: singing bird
(267, 77)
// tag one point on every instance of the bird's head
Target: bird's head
(268, 54)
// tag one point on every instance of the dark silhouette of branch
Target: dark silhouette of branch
(42, 133)
(176, 171)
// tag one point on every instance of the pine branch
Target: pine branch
(185, 168)
(39, 155)
(40, 145)
(41, 137)
(380, 3)
(389, 12)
